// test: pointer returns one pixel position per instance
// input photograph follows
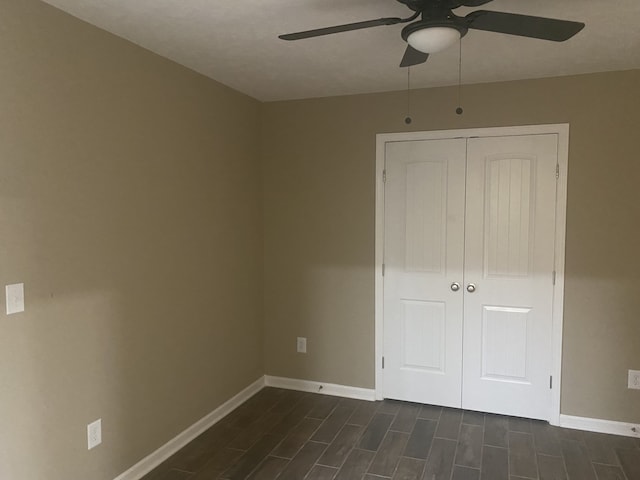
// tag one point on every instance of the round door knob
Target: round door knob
(471, 288)
(455, 286)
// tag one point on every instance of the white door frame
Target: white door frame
(562, 130)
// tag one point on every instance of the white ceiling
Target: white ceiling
(235, 42)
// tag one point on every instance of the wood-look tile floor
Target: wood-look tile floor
(287, 435)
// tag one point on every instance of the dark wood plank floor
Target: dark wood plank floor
(293, 435)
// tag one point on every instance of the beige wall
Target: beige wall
(130, 208)
(319, 162)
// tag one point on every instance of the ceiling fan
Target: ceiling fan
(439, 28)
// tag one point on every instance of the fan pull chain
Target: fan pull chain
(407, 119)
(459, 110)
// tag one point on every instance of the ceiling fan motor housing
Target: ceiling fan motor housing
(424, 5)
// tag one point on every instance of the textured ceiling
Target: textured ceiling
(235, 42)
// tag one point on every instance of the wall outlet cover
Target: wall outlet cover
(15, 298)
(302, 345)
(634, 379)
(94, 434)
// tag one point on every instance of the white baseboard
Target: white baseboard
(600, 426)
(320, 387)
(151, 461)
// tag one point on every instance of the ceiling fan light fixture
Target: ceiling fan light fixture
(433, 39)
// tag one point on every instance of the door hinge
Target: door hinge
(554, 277)
(551, 382)
(384, 176)
(383, 363)
(383, 269)
(557, 171)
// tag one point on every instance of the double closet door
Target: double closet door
(468, 281)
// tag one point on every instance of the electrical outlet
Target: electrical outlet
(94, 434)
(302, 345)
(634, 379)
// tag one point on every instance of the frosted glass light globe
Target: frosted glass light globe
(433, 39)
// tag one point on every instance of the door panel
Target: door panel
(508, 215)
(509, 257)
(423, 335)
(504, 343)
(424, 231)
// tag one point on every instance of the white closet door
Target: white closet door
(509, 259)
(424, 232)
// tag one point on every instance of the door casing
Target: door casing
(562, 130)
